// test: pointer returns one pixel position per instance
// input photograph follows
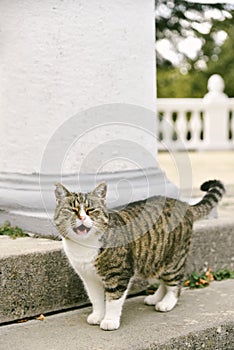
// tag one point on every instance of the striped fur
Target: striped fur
(215, 191)
(150, 238)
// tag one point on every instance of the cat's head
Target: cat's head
(79, 215)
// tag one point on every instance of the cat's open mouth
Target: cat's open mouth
(82, 230)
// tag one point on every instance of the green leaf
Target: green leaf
(12, 231)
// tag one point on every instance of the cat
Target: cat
(107, 249)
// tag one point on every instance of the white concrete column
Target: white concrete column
(68, 66)
(62, 57)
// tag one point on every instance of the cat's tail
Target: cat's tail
(215, 191)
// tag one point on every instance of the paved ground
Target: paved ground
(196, 167)
(201, 165)
(203, 319)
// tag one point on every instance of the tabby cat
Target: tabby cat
(107, 249)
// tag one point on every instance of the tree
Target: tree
(176, 20)
(223, 64)
(205, 23)
(171, 83)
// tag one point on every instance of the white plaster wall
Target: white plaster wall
(61, 57)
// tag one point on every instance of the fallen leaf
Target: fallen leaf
(187, 283)
(41, 318)
(209, 275)
(202, 281)
(22, 321)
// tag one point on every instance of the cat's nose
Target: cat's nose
(82, 216)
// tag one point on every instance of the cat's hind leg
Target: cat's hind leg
(170, 299)
(172, 280)
(157, 296)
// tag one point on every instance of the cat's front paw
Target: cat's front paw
(110, 324)
(94, 318)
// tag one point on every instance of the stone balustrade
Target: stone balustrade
(197, 123)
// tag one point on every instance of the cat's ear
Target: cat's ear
(100, 191)
(60, 192)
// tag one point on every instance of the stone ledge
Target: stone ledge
(220, 335)
(36, 280)
(35, 276)
(212, 245)
(203, 319)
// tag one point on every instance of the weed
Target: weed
(12, 231)
(199, 280)
(196, 280)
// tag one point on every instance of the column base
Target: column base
(28, 201)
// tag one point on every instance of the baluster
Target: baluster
(181, 128)
(160, 135)
(161, 130)
(232, 126)
(196, 127)
(166, 128)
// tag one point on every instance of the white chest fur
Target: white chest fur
(81, 254)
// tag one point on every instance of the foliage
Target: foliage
(199, 280)
(179, 19)
(12, 231)
(189, 79)
(223, 274)
(196, 280)
(171, 83)
(224, 64)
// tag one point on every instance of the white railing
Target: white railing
(196, 123)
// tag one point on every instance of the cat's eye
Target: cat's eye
(90, 210)
(75, 210)
(68, 210)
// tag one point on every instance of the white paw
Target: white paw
(150, 300)
(110, 324)
(156, 297)
(94, 318)
(165, 306)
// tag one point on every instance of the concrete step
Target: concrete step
(35, 276)
(203, 319)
